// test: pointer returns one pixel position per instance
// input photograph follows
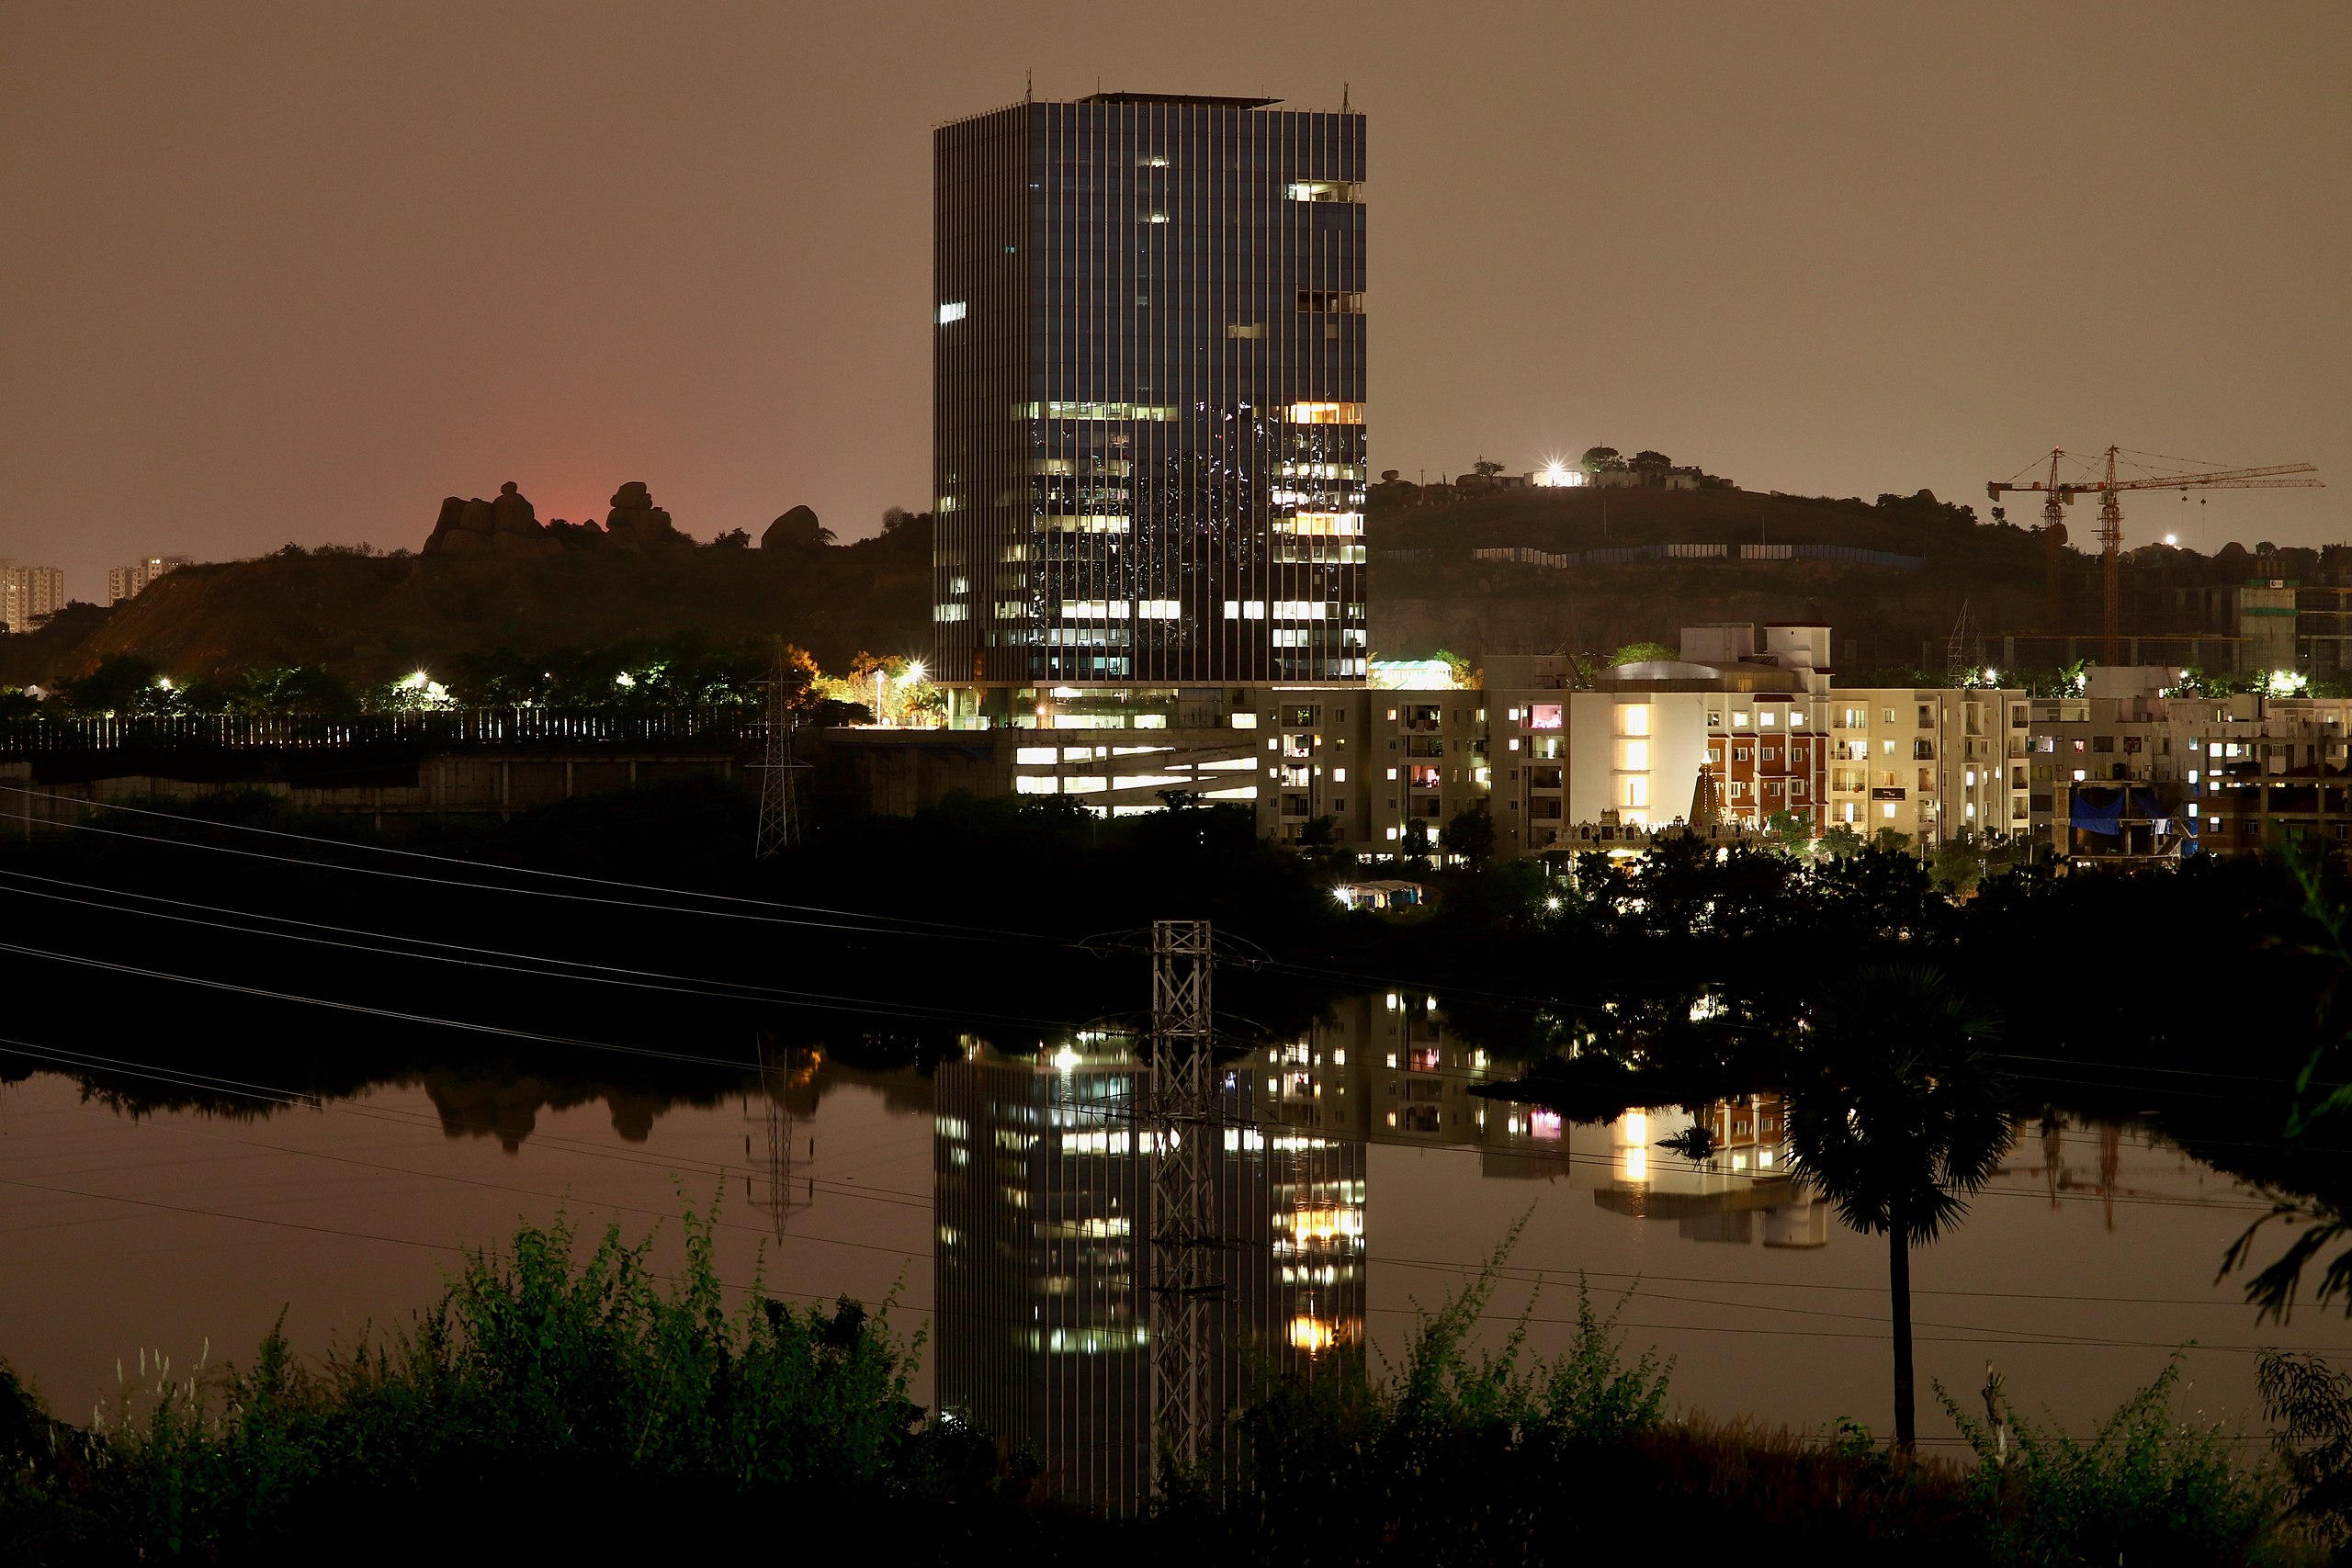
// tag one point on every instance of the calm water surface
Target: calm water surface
(1004, 1192)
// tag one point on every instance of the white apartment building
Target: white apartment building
(29, 595)
(126, 582)
(1930, 764)
(1753, 711)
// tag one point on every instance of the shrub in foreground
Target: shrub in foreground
(543, 1398)
(558, 1406)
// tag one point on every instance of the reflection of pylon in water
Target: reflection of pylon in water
(772, 1186)
(2110, 1161)
(1185, 1125)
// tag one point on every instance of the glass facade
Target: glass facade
(1148, 436)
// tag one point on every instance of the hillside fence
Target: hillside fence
(709, 728)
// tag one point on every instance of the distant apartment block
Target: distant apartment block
(29, 595)
(126, 582)
(2136, 768)
(1745, 726)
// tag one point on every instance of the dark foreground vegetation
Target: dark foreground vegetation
(556, 1405)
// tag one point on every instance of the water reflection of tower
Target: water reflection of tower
(1040, 1277)
(1043, 1314)
(774, 1188)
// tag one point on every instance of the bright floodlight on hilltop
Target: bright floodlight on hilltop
(1557, 475)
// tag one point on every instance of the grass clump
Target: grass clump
(1446, 1461)
(540, 1391)
(570, 1408)
(2147, 1486)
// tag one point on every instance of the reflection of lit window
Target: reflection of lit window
(1635, 1164)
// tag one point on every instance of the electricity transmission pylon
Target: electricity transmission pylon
(1184, 1124)
(780, 771)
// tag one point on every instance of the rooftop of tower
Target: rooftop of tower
(1195, 100)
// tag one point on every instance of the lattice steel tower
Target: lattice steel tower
(1185, 1274)
(780, 771)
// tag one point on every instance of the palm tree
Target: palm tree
(1894, 1114)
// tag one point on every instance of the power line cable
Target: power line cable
(970, 934)
(606, 975)
(187, 819)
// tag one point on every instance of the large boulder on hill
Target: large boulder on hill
(636, 524)
(796, 530)
(510, 513)
(507, 526)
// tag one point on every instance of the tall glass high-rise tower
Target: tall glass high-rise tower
(1148, 437)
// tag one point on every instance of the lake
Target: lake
(1000, 1201)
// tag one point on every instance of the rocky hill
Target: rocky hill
(1430, 589)
(492, 576)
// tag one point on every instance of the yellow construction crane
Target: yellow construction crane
(2059, 492)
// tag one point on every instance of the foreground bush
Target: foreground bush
(2148, 1486)
(540, 1387)
(1466, 1458)
(554, 1408)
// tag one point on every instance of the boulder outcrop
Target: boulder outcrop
(796, 530)
(636, 524)
(510, 525)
